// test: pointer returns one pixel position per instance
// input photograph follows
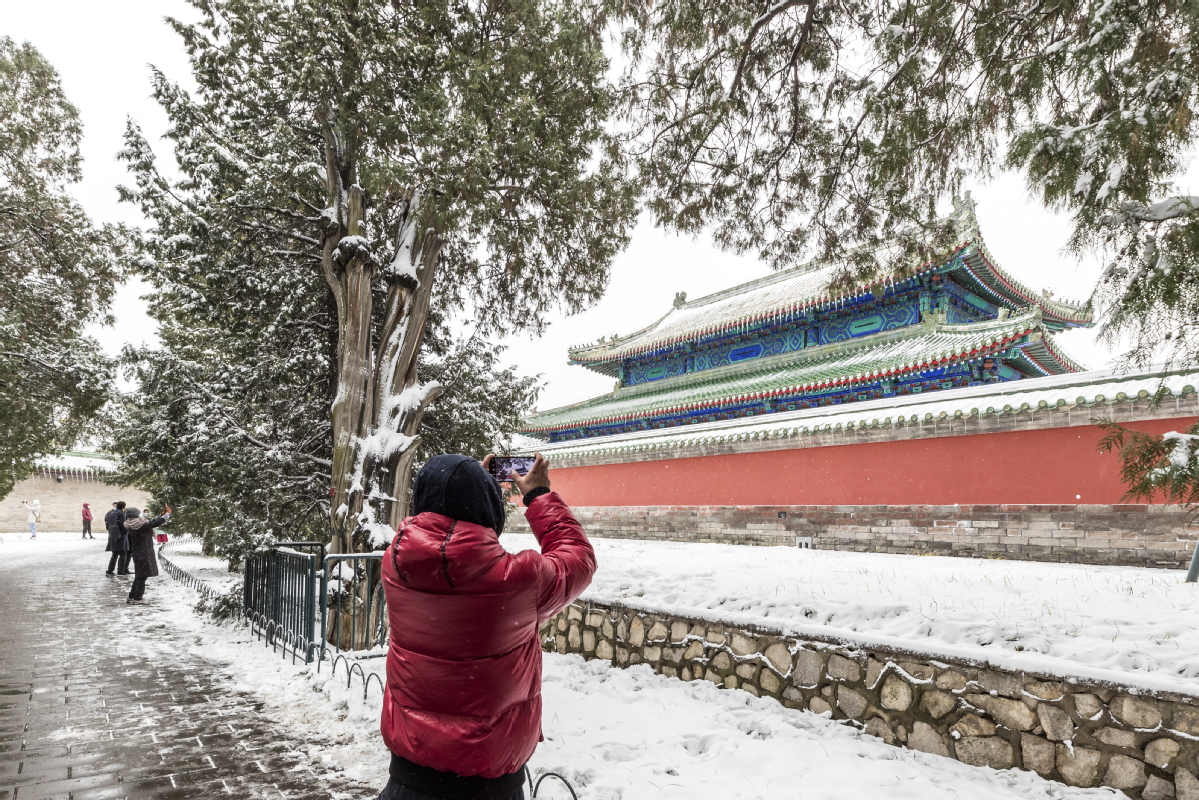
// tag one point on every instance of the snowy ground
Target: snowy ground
(52, 536)
(626, 733)
(615, 733)
(1124, 624)
(186, 555)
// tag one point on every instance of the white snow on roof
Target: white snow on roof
(1086, 388)
(739, 303)
(72, 461)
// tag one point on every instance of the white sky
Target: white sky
(103, 52)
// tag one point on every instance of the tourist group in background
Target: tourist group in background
(131, 538)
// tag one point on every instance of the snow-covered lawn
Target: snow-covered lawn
(631, 733)
(186, 555)
(1131, 625)
(616, 733)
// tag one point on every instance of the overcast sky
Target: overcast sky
(103, 52)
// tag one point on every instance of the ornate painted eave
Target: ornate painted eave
(997, 286)
(894, 355)
(805, 290)
(1094, 391)
(774, 298)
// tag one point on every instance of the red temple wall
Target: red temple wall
(1045, 466)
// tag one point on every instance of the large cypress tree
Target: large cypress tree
(408, 158)
(57, 270)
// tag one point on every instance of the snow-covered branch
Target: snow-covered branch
(1161, 211)
(246, 434)
(1184, 447)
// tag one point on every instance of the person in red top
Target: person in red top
(462, 704)
(87, 522)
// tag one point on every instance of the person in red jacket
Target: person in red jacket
(462, 704)
(87, 522)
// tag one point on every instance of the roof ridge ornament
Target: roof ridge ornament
(964, 216)
(680, 299)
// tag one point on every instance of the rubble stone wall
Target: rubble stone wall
(1080, 733)
(1137, 535)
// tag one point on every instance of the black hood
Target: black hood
(459, 488)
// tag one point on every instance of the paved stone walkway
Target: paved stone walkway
(82, 719)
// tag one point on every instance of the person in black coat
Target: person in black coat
(141, 548)
(118, 540)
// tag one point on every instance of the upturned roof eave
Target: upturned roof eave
(588, 356)
(1063, 315)
(577, 353)
(983, 337)
(971, 243)
(1049, 358)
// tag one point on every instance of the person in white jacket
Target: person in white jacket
(34, 515)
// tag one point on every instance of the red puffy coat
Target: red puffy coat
(463, 688)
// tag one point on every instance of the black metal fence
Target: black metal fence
(286, 591)
(352, 586)
(279, 598)
(180, 574)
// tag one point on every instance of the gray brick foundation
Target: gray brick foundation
(1138, 535)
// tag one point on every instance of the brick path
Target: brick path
(82, 720)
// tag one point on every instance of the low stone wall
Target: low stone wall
(1138, 535)
(1080, 733)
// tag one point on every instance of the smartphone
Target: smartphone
(506, 468)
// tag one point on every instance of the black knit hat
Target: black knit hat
(132, 512)
(458, 487)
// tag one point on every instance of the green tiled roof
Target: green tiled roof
(807, 288)
(841, 364)
(1096, 389)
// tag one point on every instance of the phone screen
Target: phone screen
(506, 468)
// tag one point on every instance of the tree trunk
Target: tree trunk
(379, 403)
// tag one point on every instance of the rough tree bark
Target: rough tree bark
(377, 411)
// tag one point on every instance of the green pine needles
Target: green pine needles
(367, 190)
(826, 128)
(830, 128)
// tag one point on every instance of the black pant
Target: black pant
(394, 791)
(87, 527)
(120, 561)
(138, 588)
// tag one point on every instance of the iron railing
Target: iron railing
(180, 574)
(286, 591)
(352, 586)
(279, 599)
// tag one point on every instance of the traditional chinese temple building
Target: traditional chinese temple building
(786, 343)
(757, 412)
